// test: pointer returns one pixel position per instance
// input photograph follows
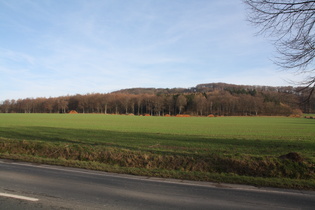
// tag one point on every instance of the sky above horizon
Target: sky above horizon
(53, 48)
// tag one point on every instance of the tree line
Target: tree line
(208, 99)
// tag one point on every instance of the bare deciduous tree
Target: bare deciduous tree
(181, 102)
(291, 22)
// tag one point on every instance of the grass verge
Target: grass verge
(271, 171)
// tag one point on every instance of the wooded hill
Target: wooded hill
(204, 99)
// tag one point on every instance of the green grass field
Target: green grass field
(223, 149)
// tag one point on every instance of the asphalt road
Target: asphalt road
(53, 187)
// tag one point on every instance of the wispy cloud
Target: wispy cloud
(78, 46)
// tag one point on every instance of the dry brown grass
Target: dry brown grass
(73, 112)
(183, 115)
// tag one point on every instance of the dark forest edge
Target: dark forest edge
(205, 99)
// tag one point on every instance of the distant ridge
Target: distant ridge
(207, 87)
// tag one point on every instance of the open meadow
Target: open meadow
(262, 151)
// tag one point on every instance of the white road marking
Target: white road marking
(18, 197)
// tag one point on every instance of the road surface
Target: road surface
(31, 186)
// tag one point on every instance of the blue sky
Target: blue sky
(53, 48)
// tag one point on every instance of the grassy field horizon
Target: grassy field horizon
(222, 149)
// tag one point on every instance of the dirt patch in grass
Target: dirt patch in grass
(292, 156)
